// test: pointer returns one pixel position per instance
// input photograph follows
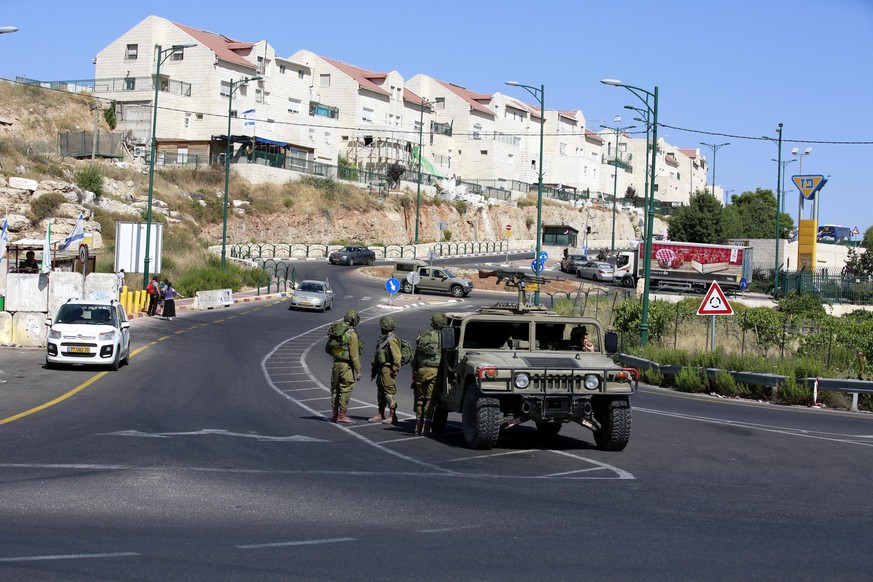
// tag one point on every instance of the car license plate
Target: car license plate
(78, 350)
(306, 303)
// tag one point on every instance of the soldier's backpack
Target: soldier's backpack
(338, 340)
(407, 351)
(429, 349)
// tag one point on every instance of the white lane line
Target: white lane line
(409, 438)
(295, 382)
(366, 298)
(477, 457)
(299, 543)
(69, 557)
(565, 473)
(622, 474)
(446, 529)
(313, 399)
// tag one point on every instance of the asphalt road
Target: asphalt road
(209, 457)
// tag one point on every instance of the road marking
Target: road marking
(213, 431)
(298, 543)
(57, 400)
(447, 529)
(69, 557)
(477, 457)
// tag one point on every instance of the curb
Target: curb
(186, 307)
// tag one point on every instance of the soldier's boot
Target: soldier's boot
(391, 418)
(419, 423)
(426, 428)
(379, 417)
(333, 414)
(342, 418)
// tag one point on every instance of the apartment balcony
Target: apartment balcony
(619, 160)
(319, 110)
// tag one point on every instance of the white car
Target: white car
(95, 333)
(312, 295)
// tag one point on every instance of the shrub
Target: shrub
(724, 384)
(793, 393)
(90, 178)
(652, 376)
(691, 380)
(45, 206)
(529, 222)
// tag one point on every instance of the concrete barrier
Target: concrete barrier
(64, 285)
(29, 329)
(211, 299)
(5, 327)
(101, 286)
(27, 292)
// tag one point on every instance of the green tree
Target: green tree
(700, 221)
(867, 243)
(731, 224)
(757, 214)
(109, 115)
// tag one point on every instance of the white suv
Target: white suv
(88, 332)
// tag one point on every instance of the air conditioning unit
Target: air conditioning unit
(139, 151)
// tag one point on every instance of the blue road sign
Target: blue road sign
(743, 284)
(544, 256)
(392, 285)
(537, 266)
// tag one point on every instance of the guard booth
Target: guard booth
(559, 235)
(67, 260)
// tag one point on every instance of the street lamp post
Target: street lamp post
(418, 192)
(778, 197)
(8, 29)
(799, 154)
(650, 100)
(539, 93)
(618, 131)
(234, 85)
(645, 118)
(162, 54)
(784, 165)
(715, 147)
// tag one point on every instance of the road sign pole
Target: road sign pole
(712, 335)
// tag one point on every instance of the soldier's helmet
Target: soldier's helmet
(439, 320)
(387, 323)
(352, 318)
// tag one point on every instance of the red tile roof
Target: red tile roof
(223, 47)
(690, 153)
(363, 77)
(473, 99)
(592, 136)
(411, 97)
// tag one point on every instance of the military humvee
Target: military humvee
(513, 363)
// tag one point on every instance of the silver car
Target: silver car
(596, 271)
(312, 295)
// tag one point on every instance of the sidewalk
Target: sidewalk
(238, 297)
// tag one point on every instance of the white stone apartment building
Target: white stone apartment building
(194, 86)
(316, 109)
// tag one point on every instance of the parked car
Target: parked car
(312, 295)
(352, 255)
(88, 332)
(430, 278)
(595, 270)
(570, 263)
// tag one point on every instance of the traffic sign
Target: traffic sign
(537, 266)
(413, 277)
(809, 185)
(544, 256)
(856, 231)
(392, 285)
(715, 302)
(508, 230)
(743, 284)
(83, 253)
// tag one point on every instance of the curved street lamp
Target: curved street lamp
(162, 54)
(618, 131)
(538, 94)
(650, 100)
(420, 134)
(778, 197)
(234, 85)
(8, 29)
(799, 154)
(784, 165)
(715, 147)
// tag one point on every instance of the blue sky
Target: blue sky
(727, 71)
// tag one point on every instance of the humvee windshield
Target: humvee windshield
(547, 335)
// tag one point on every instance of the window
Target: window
(367, 114)
(300, 74)
(496, 335)
(259, 96)
(311, 134)
(182, 156)
(179, 54)
(281, 69)
(327, 137)
(483, 152)
(440, 103)
(187, 121)
(199, 116)
(293, 105)
(418, 127)
(243, 90)
(324, 80)
(562, 149)
(477, 130)
(261, 65)
(511, 160)
(233, 114)
(271, 124)
(165, 84)
(224, 91)
(130, 83)
(132, 51)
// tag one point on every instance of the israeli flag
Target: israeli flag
(245, 115)
(76, 236)
(4, 239)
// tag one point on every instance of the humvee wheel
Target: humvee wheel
(440, 417)
(549, 429)
(614, 416)
(481, 417)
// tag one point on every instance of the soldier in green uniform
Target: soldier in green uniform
(425, 368)
(343, 345)
(386, 364)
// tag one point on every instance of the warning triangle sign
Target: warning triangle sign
(715, 302)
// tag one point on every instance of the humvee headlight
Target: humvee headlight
(592, 382)
(521, 380)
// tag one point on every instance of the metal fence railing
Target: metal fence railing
(828, 286)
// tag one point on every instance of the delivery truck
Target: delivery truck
(687, 266)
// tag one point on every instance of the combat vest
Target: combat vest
(428, 353)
